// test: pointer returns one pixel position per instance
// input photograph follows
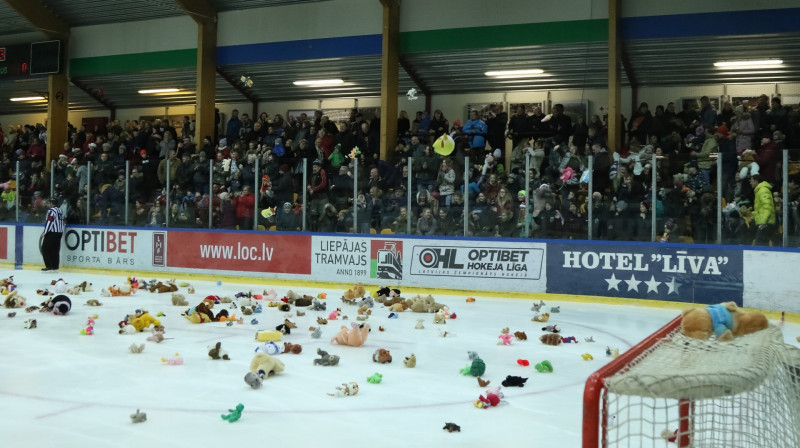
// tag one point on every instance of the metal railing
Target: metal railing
(662, 208)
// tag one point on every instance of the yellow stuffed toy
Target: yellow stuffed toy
(201, 313)
(724, 320)
(265, 365)
(143, 321)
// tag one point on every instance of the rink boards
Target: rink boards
(652, 271)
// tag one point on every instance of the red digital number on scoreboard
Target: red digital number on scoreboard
(2, 54)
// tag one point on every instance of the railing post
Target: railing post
(719, 197)
(466, 196)
(785, 191)
(527, 192)
(355, 195)
(88, 191)
(590, 199)
(408, 197)
(256, 195)
(16, 196)
(653, 212)
(166, 207)
(52, 177)
(127, 189)
(305, 191)
(211, 194)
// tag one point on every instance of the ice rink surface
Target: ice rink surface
(59, 388)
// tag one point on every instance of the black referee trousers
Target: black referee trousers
(51, 249)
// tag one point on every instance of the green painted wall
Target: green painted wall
(132, 63)
(595, 30)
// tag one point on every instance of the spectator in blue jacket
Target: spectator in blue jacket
(475, 129)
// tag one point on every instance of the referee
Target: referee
(51, 238)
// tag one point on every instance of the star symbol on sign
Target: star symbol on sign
(673, 286)
(613, 283)
(652, 285)
(633, 284)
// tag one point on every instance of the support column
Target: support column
(614, 75)
(57, 111)
(206, 78)
(390, 62)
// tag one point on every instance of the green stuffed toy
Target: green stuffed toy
(234, 414)
(477, 368)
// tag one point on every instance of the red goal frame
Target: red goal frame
(595, 420)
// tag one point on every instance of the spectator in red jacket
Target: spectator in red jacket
(245, 204)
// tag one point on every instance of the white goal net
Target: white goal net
(691, 393)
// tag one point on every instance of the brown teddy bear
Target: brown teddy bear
(14, 301)
(179, 300)
(354, 337)
(551, 339)
(382, 356)
(301, 300)
(164, 287)
(724, 320)
(288, 347)
(398, 307)
(358, 290)
(393, 300)
(216, 352)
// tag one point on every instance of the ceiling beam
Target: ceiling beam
(93, 93)
(201, 10)
(421, 85)
(41, 18)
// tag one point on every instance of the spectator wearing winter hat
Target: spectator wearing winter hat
(695, 180)
(222, 147)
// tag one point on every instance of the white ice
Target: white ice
(59, 388)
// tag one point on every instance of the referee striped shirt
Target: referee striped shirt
(55, 221)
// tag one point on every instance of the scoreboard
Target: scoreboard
(17, 60)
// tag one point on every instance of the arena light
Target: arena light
(505, 74)
(27, 98)
(319, 82)
(745, 64)
(150, 91)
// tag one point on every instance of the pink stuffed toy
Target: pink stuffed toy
(491, 399)
(355, 337)
(333, 315)
(567, 175)
(506, 338)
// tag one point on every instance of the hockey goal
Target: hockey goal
(671, 390)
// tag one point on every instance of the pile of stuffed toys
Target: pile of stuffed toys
(723, 322)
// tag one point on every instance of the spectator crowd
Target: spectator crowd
(258, 171)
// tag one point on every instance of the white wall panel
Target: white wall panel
(172, 33)
(639, 8)
(420, 15)
(300, 22)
